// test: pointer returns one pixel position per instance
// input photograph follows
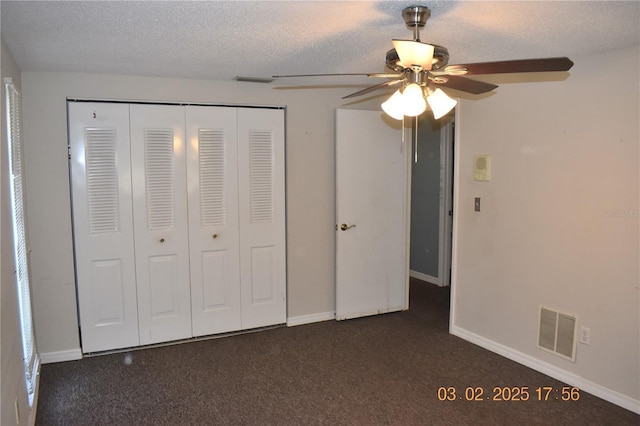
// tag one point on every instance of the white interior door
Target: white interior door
(103, 225)
(161, 225)
(372, 211)
(212, 173)
(262, 216)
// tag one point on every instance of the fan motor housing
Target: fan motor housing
(416, 16)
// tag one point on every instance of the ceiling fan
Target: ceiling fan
(421, 69)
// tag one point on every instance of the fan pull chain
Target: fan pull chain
(402, 136)
(415, 149)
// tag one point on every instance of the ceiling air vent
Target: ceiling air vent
(253, 79)
(557, 333)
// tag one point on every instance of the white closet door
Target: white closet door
(160, 218)
(103, 225)
(262, 216)
(212, 175)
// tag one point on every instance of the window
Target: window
(14, 139)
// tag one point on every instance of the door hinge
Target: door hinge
(69, 152)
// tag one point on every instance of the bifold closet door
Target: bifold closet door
(179, 221)
(103, 225)
(160, 219)
(262, 216)
(212, 173)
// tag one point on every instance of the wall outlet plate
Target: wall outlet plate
(585, 335)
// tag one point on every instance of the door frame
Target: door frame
(185, 105)
(445, 202)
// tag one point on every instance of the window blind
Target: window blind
(14, 140)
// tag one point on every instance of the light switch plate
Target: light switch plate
(482, 168)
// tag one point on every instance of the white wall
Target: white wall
(310, 186)
(559, 224)
(13, 380)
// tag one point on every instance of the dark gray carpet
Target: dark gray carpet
(382, 370)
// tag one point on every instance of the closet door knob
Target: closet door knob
(215, 236)
(162, 240)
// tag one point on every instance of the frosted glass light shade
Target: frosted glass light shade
(440, 103)
(393, 106)
(413, 100)
(414, 53)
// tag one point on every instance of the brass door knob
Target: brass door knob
(345, 227)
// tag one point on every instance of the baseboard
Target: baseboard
(51, 357)
(550, 370)
(308, 319)
(424, 277)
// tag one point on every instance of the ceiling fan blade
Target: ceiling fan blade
(465, 84)
(374, 75)
(394, 75)
(373, 88)
(314, 75)
(520, 65)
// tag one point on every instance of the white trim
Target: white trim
(425, 277)
(446, 204)
(168, 102)
(558, 373)
(311, 318)
(406, 133)
(60, 356)
(454, 229)
(34, 405)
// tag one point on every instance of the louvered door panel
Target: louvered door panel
(103, 225)
(213, 219)
(159, 178)
(102, 180)
(261, 164)
(262, 216)
(160, 217)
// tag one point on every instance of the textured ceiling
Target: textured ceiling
(219, 40)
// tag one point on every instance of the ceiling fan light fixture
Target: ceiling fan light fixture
(440, 103)
(421, 66)
(410, 102)
(394, 106)
(413, 101)
(414, 53)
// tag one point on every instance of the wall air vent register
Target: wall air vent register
(557, 333)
